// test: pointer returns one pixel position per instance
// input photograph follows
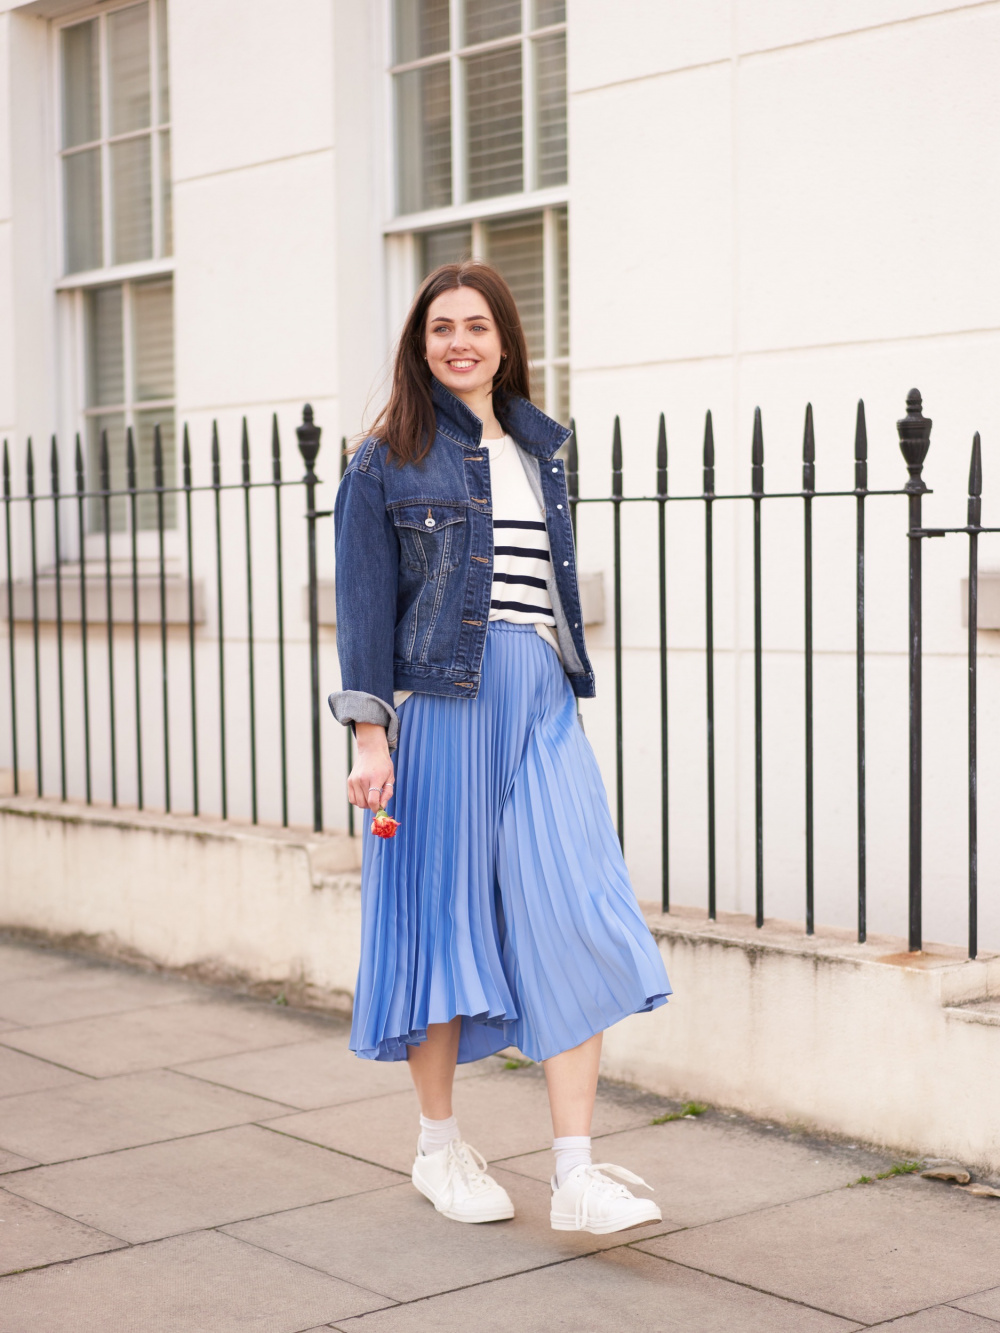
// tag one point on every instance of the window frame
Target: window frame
(70, 288)
(402, 232)
(108, 272)
(461, 207)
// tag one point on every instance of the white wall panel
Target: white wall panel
(255, 286)
(763, 24)
(867, 190)
(7, 399)
(250, 83)
(633, 39)
(651, 225)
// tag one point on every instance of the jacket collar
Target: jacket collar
(529, 426)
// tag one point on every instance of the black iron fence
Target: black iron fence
(99, 582)
(123, 578)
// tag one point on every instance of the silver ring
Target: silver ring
(376, 788)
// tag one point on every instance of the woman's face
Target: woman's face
(462, 342)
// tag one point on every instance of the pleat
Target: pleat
(499, 797)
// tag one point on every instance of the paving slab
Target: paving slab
(705, 1170)
(983, 1302)
(942, 1319)
(146, 1193)
(312, 1074)
(201, 1283)
(392, 1241)
(31, 1236)
(21, 1073)
(870, 1253)
(10, 1161)
(503, 1114)
(82, 991)
(606, 1293)
(99, 1116)
(22, 960)
(169, 1034)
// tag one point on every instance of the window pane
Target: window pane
(421, 28)
(423, 138)
(549, 11)
(153, 323)
(114, 424)
(105, 351)
(450, 245)
(128, 68)
(487, 19)
(550, 94)
(81, 108)
(562, 283)
(163, 67)
(82, 206)
(132, 200)
(514, 246)
(493, 98)
(166, 195)
(146, 422)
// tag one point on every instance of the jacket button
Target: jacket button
(555, 469)
(565, 562)
(576, 624)
(559, 506)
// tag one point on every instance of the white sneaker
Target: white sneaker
(455, 1181)
(589, 1200)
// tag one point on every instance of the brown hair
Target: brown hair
(407, 423)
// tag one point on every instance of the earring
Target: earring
(503, 356)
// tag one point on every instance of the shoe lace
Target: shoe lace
(599, 1184)
(466, 1162)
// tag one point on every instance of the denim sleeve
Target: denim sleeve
(367, 551)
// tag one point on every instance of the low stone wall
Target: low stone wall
(270, 905)
(863, 1040)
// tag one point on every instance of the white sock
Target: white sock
(437, 1134)
(571, 1151)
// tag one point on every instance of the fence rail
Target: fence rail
(69, 512)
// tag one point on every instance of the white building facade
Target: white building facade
(211, 212)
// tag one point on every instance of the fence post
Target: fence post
(308, 434)
(914, 441)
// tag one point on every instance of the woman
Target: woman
(501, 912)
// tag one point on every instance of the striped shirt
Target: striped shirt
(521, 560)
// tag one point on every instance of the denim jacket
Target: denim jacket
(414, 548)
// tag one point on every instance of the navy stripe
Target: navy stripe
(526, 551)
(521, 606)
(520, 578)
(518, 523)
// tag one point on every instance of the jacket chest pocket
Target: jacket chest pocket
(431, 537)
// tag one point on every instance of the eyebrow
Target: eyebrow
(447, 319)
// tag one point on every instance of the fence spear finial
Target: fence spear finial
(757, 455)
(661, 457)
(54, 466)
(308, 435)
(78, 460)
(186, 457)
(216, 470)
(616, 459)
(808, 452)
(30, 468)
(860, 449)
(130, 459)
(975, 484)
(245, 453)
(275, 450)
(572, 463)
(708, 457)
(6, 470)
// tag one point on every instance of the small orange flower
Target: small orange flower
(383, 825)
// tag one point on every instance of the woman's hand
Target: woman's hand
(370, 784)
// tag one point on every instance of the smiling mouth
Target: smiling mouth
(464, 364)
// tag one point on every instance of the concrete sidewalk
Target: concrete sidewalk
(177, 1159)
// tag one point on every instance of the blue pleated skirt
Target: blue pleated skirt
(503, 897)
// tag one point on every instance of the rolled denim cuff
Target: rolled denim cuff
(351, 706)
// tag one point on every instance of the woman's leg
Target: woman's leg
(572, 1081)
(432, 1068)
